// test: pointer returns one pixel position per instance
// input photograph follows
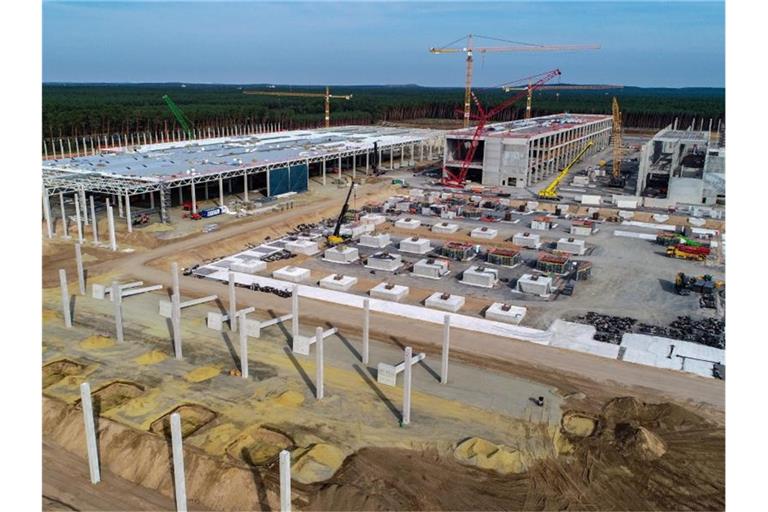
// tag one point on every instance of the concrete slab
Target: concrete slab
(451, 303)
(505, 313)
(386, 291)
(338, 282)
(484, 232)
(416, 245)
(292, 274)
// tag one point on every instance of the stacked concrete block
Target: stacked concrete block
(341, 254)
(445, 227)
(373, 218)
(356, 229)
(389, 291)
(301, 246)
(408, 223)
(582, 227)
(529, 240)
(543, 223)
(535, 285)
(505, 313)
(249, 267)
(384, 261)
(484, 232)
(292, 274)
(431, 268)
(375, 240)
(445, 302)
(483, 277)
(572, 246)
(338, 282)
(416, 245)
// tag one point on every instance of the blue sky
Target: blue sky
(664, 44)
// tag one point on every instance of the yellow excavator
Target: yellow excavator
(551, 191)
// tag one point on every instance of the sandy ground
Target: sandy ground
(488, 397)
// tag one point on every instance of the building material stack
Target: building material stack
(457, 251)
(551, 263)
(508, 257)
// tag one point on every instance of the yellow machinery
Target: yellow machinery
(469, 49)
(617, 180)
(327, 95)
(551, 191)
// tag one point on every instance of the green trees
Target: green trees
(72, 110)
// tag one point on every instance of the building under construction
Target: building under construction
(523, 152)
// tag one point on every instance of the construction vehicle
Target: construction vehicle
(705, 284)
(667, 238)
(514, 86)
(617, 180)
(469, 49)
(687, 252)
(550, 192)
(186, 124)
(335, 238)
(327, 96)
(458, 180)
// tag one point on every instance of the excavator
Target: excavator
(551, 191)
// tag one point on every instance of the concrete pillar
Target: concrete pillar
(94, 222)
(295, 312)
(64, 232)
(117, 301)
(319, 385)
(181, 196)
(65, 298)
(176, 325)
(111, 220)
(84, 202)
(128, 219)
(119, 200)
(78, 219)
(152, 200)
(407, 387)
(367, 162)
(232, 303)
(430, 150)
(243, 346)
(194, 201)
(245, 185)
(179, 485)
(421, 151)
(221, 191)
(323, 171)
(80, 272)
(446, 348)
(47, 213)
(354, 166)
(285, 481)
(391, 158)
(175, 279)
(90, 432)
(412, 155)
(339, 166)
(366, 329)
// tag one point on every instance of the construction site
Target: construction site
(518, 315)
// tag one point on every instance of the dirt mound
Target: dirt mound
(639, 441)
(579, 425)
(316, 463)
(193, 418)
(58, 370)
(259, 446)
(151, 357)
(484, 454)
(96, 342)
(114, 395)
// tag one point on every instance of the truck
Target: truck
(687, 252)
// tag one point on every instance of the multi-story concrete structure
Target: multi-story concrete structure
(521, 153)
(682, 167)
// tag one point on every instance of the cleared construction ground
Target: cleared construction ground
(610, 434)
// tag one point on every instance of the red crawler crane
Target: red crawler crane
(458, 180)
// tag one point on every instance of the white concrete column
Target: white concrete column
(354, 166)
(152, 200)
(323, 171)
(194, 200)
(94, 222)
(78, 219)
(232, 302)
(429, 146)
(128, 218)
(366, 329)
(245, 185)
(65, 298)
(295, 313)
(319, 380)
(179, 484)
(64, 232)
(285, 481)
(84, 203)
(412, 155)
(391, 158)
(339, 166)
(111, 220)
(47, 213)
(221, 191)
(90, 432)
(407, 387)
(181, 197)
(175, 279)
(446, 348)
(176, 325)
(243, 346)
(119, 200)
(117, 301)
(421, 151)
(80, 272)
(402, 156)
(367, 162)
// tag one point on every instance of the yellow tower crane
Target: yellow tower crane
(551, 191)
(470, 49)
(617, 180)
(327, 96)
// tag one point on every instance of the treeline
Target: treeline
(76, 110)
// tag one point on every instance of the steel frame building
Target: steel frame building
(301, 152)
(524, 152)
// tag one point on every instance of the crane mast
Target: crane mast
(327, 96)
(186, 124)
(550, 192)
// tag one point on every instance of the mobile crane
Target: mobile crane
(551, 191)
(186, 124)
(335, 238)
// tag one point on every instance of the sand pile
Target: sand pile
(316, 463)
(259, 446)
(579, 425)
(202, 373)
(96, 342)
(639, 441)
(484, 454)
(151, 357)
(290, 398)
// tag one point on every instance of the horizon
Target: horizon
(647, 44)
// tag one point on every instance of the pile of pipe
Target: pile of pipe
(256, 287)
(609, 328)
(282, 255)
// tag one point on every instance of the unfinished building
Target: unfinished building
(681, 167)
(523, 152)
